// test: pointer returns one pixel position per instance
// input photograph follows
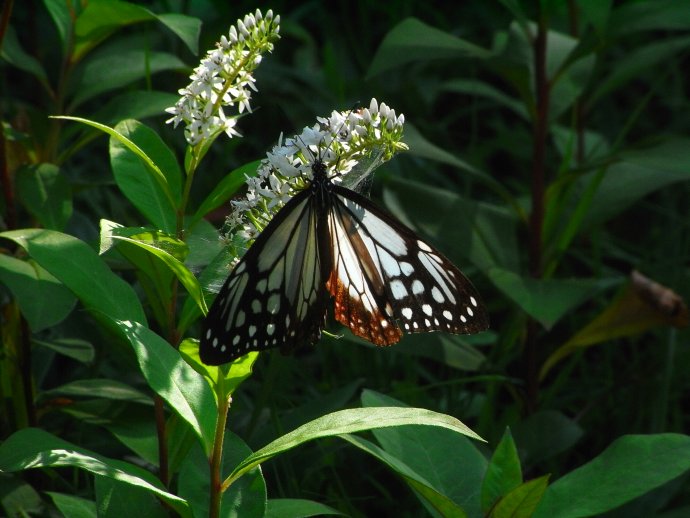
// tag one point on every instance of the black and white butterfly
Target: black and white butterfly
(329, 241)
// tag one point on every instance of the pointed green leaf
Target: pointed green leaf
(80, 269)
(298, 508)
(35, 448)
(42, 299)
(46, 194)
(174, 380)
(430, 495)
(632, 466)
(349, 421)
(521, 501)
(503, 474)
(73, 506)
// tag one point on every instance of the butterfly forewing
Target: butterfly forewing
(274, 297)
(404, 278)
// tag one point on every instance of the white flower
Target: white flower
(224, 78)
(351, 144)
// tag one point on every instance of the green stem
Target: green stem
(216, 459)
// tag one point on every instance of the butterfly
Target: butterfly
(326, 242)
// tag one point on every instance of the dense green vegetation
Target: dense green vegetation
(549, 157)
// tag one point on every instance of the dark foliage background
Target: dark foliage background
(468, 182)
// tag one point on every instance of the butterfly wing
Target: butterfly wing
(382, 272)
(274, 296)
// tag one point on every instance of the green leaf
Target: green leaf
(632, 466)
(42, 299)
(597, 13)
(80, 269)
(636, 62)
(227, 187)
(151, 167)
(100, 388)
(60, 13)
(412, 40)
(481, 89)
(640, 173)
(114, 69)
(544, 434)
(185, 27)
(349, 421)
(425, 490)
(626, 315)
(12, 52)
(18, 498)
(35, 448)
(101, 18)
(74, 348)
(521, 501)
(654, 15)
(46, 194)
(156, 198)
(176, 382)
(116, 499)
(245, 498)
(232, 375)
(298, 508)
(503, 474)
(434, 454)
(73, 506)
(547, 300)
(183, 274)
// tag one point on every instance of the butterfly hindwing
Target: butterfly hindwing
(274, 296)
(383, 272)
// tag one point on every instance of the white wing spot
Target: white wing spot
(384, 323)
(236, 340)
(421, 244)
(407, 313)
(464, 320)
(252, 331)
(273, 304)
(427, 323)
(436, 321)
(240, 268)
(407, 326)
(415, 325)
(448, 315)
(417, 287)
(215, 342)
(473, 301)
(208, 334)
(438, 296)
(427, 309)
(406, 268)
(222, 349)
(239, 320)
(256, 306)
(398, 289)
(287, 322)
(469, 312)
(270, 329)
(261, 285)
(390, 265)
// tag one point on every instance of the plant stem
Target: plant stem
(217, 454)
(536, 221)
(162, 440)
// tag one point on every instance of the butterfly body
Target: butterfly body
(331, 242)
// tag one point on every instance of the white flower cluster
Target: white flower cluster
(351, 144)
(224, 78)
